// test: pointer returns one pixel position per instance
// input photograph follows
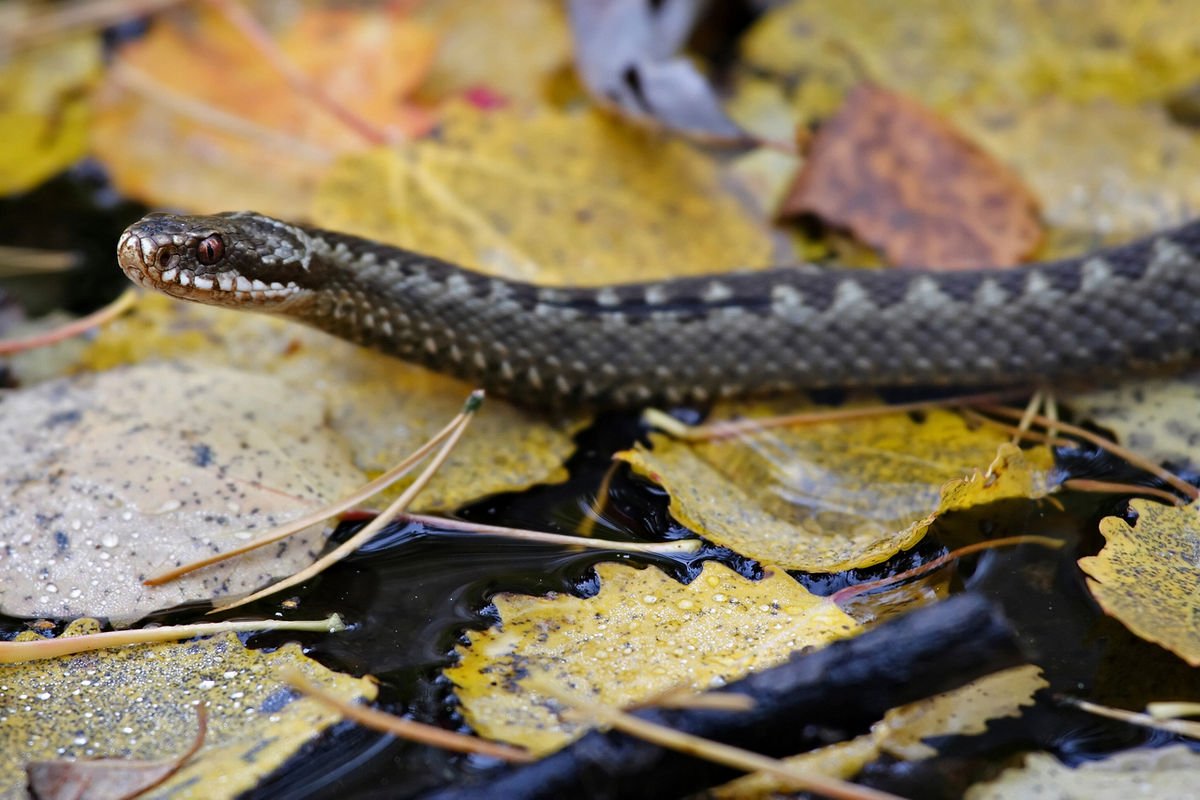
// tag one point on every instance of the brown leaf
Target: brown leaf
(902, 180)
(104, 778)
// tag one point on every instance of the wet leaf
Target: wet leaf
(44, 109)
(137, 702)
(1156, 417)
(1146, 575)
(115, 476)
(626, 52)
(1162, 772)
(903, 180)
(593, 202)
(965, 711)
(644, 633)
(192, 108)
(837, 495)
(105, 778)
(380, 407)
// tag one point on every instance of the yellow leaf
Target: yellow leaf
(548, 197)
(381, 407)
(44, 104)
(643, 634)
(836, 495)
(136, 702)
(1146, 575)
(952, 54)
(1154, 416)
(1151, 772)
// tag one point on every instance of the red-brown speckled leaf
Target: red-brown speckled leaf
(904, 181)
(103, 778)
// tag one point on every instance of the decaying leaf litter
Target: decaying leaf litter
(602, 198)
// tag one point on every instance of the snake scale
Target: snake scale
(693, 339)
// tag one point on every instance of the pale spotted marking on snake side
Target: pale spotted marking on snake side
(693, 339)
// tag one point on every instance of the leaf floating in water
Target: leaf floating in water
(1147, 573)
(1155, 773)
(136, 702)
(642, 634)
(835, 495)
(1154, 416)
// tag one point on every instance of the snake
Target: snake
(692, 340)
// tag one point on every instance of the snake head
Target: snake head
(238, 259)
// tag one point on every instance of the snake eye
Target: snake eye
(210, 250)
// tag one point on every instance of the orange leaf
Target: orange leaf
(902, 180)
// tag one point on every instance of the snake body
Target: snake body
(694, 339)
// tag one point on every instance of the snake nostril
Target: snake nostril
(129, 250)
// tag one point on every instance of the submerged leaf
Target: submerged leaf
(137, 702)
(1146, 575)
(835, 495)
(643, 634)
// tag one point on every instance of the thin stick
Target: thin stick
(1029, 436)
(1110, 487)
(720, 430)
(1180, 726)
(74, 328)
(39, 649)
(718, 753)
(596, 508)
(300, 82)
(1117, 450)
(321, 514)
(34, 261)
(1031, 409)
(366, 534)
(667, 548)
(850, 591)
(406, 729)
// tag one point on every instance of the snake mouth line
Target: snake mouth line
(155, 265)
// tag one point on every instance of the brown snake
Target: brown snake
(694, 339)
